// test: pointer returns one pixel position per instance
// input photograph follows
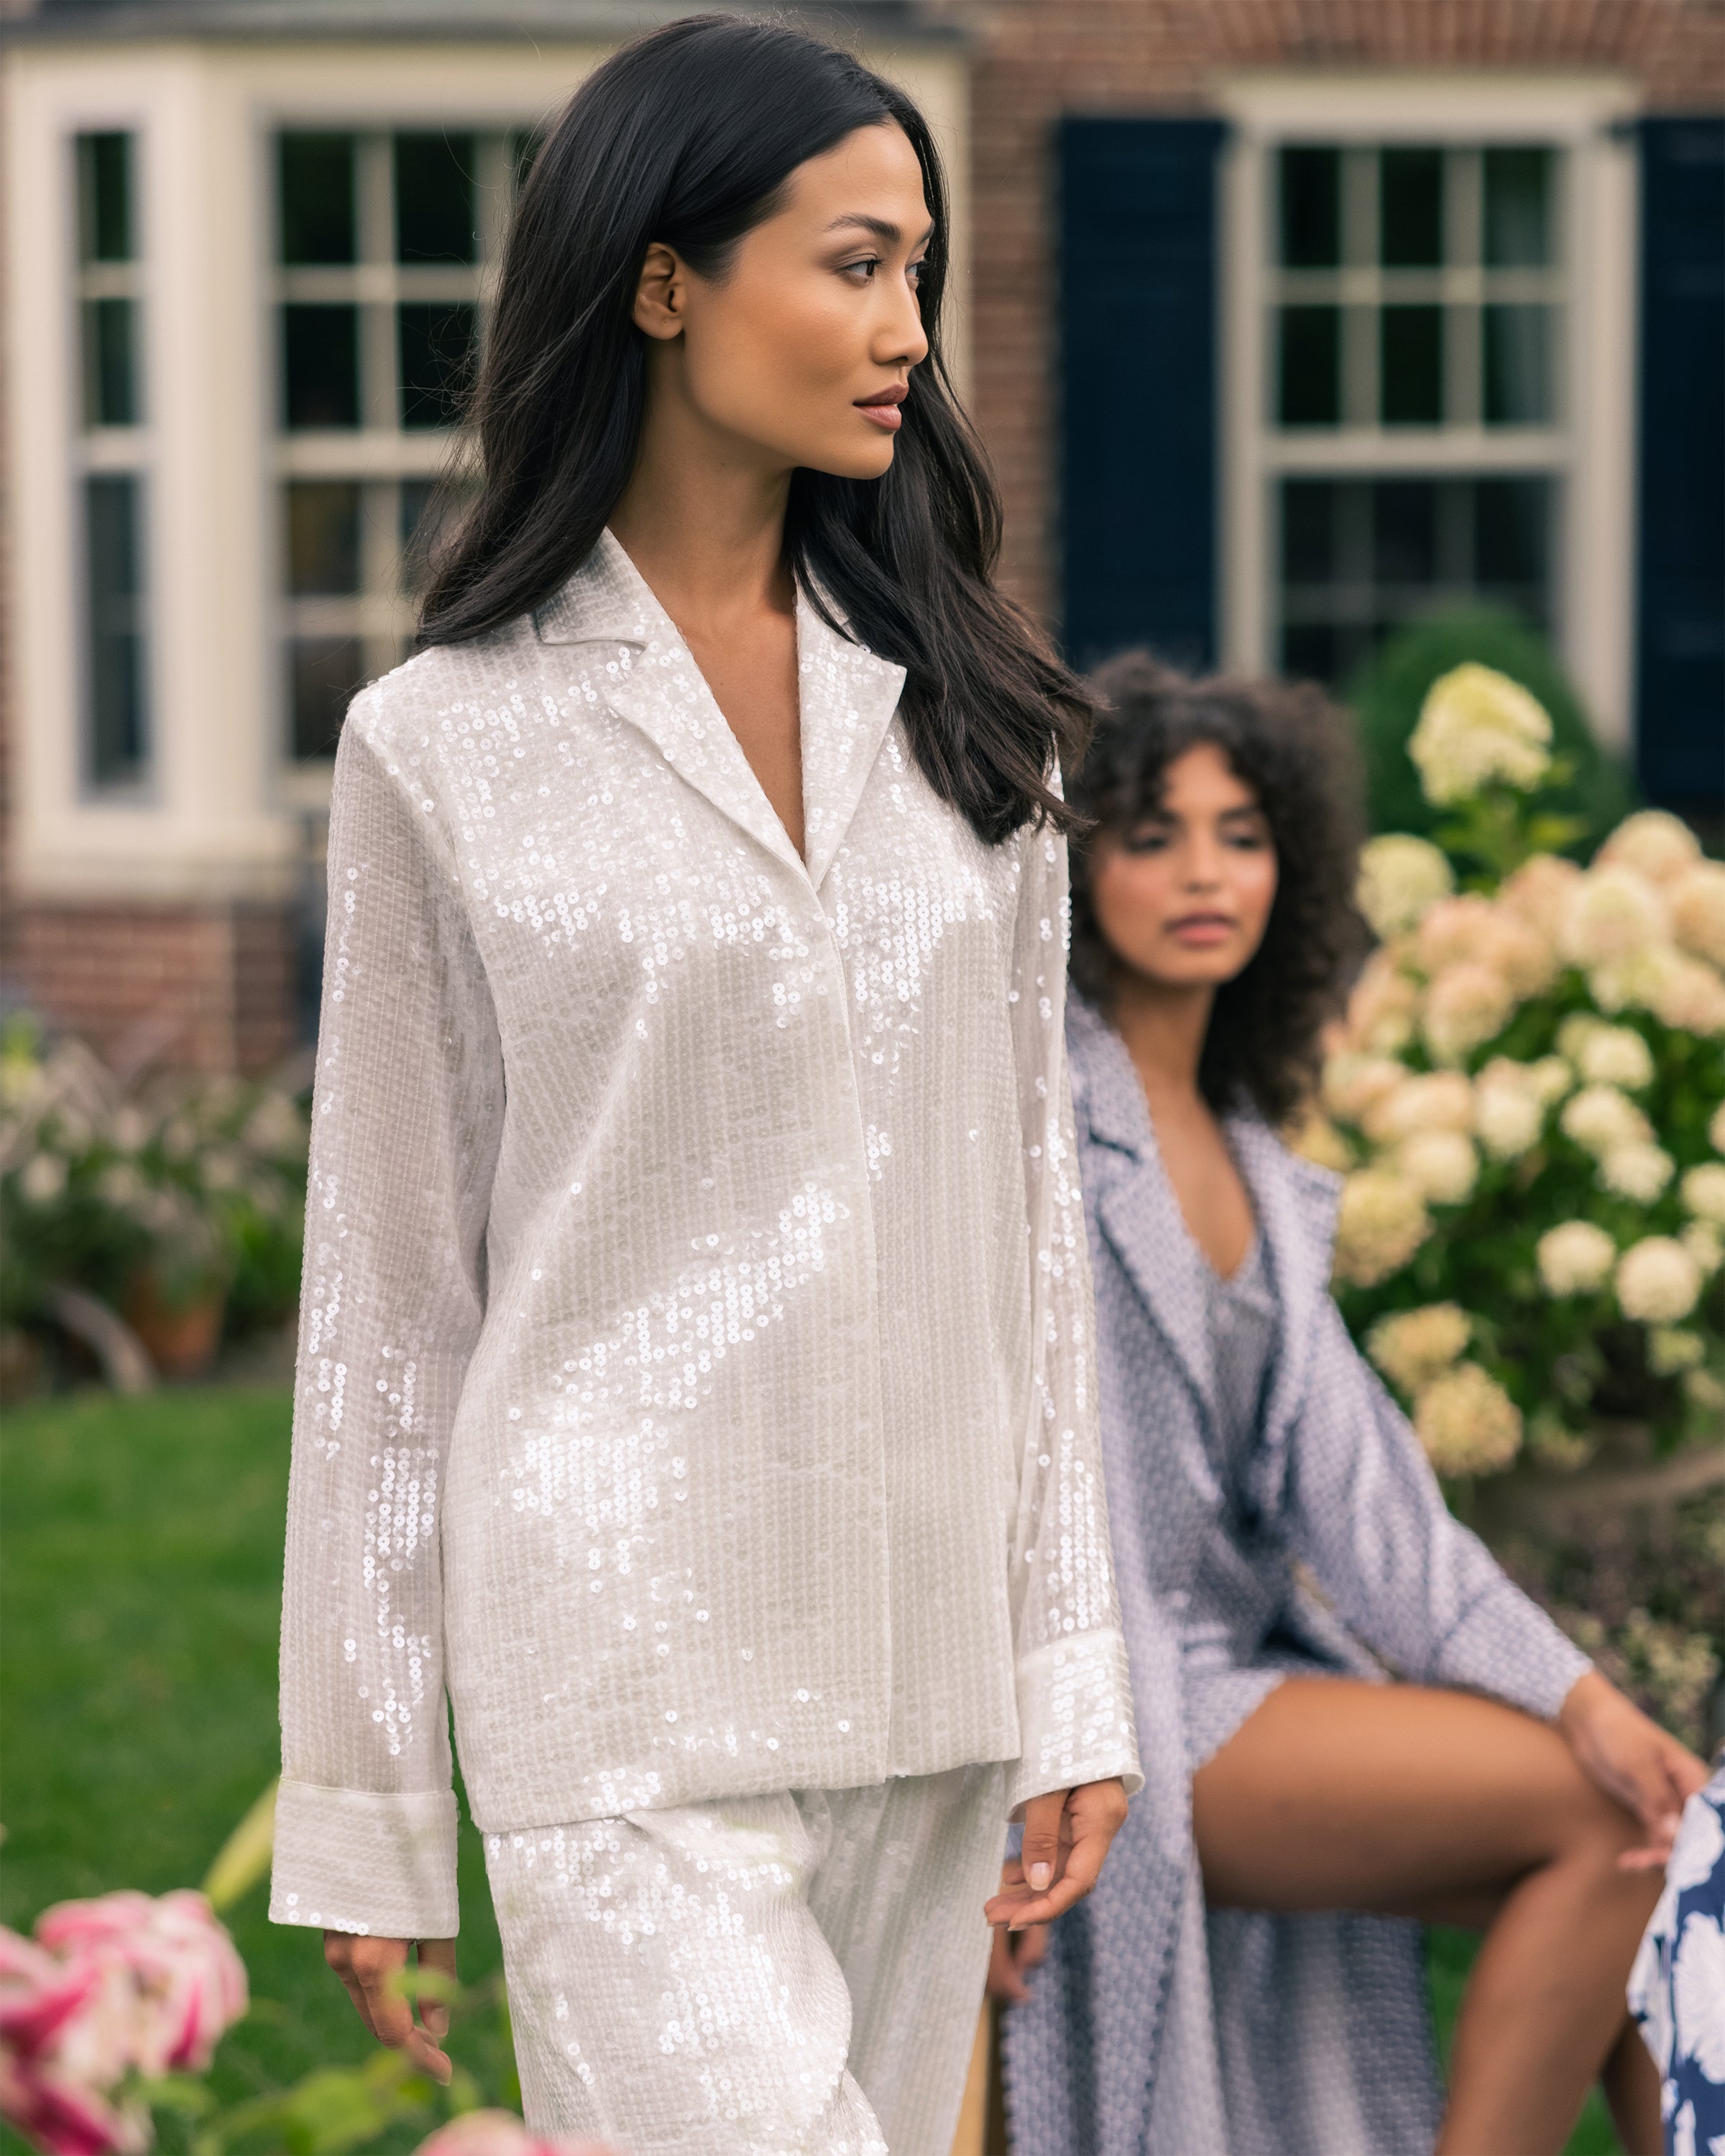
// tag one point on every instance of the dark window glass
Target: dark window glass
(110, 382)
(1308, 531)
(317, 219)
(1512, 542)
(434, 217)
(1310, 208)
(436, 341)
(1405, 541)
(524, 147)
(1410, 214)
(1309, 393)
(1517, 183)
(113, 515)
(105, 202)
(323, 538)
(321, 363)
(1517, 365)
(1311, 651)
(1411, 357)
(325, 674)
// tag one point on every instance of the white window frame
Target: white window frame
(1589, 448)
(379, 452)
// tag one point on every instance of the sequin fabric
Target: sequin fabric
(1155, 2028)
(798, 1972)
(696, 1377)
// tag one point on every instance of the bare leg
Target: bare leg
(1441, 1805)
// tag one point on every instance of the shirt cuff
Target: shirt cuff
(1074, 1718)
(358, 1860)
(1507, 1646)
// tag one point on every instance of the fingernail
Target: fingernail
(1040, 1876)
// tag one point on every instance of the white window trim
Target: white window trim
(1593, 448)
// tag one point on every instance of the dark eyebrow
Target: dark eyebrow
(881, 228)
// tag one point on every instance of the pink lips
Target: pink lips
(1202, 929)
(883, 408)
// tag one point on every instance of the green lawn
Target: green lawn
(139, 1598)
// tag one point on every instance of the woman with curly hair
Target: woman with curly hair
(1248, 1976)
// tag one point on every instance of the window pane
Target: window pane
(111, 396)
(322, 360)
(1311, 651)
(434, 217)
(317, 220)
(524, 147)
(1517, 208)
(1411, 358)
(1411, 208)
(1513, 539)
(1310, 208)
(113, 504)
(436, 341)
(1517, 365)
(1405, 543)
(1310, 391)
(105, 198)
(1308, 531)
(323, 538)
(325, 674)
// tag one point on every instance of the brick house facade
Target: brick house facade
(208, 962)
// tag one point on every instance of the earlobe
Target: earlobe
(660, 294)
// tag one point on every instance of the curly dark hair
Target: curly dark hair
(1295, 750)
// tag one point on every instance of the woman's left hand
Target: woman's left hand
(1067, 1833)
(1632, 1760)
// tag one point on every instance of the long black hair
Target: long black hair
(1290, 746)
(687, 136)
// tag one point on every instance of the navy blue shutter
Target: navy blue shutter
(1680, 686)
(1138, 316)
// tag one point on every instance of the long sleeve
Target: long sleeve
(406, 1117)
(1074, 1687)
(1366, 1512)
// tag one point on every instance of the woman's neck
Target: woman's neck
(1164, 1028)
(702, 518)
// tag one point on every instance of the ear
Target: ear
(661, 293)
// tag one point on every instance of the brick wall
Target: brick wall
(205, 987)
(1036, 60)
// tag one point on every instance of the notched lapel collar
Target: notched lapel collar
(1296, 1204)
(653, 682)
(847, 697)
(1135, 1202)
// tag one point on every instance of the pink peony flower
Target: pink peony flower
(65, 2033)
(190, 1982)
(125, 1983)
(499, 2134)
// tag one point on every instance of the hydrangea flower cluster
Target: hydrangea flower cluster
(1528, 1101)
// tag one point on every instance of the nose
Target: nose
(1203, 861)
(899, 339)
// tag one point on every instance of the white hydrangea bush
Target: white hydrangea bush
(1526, 1099)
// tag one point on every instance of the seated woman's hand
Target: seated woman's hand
(1632, 1760)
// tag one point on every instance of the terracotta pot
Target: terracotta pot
(180, 1338)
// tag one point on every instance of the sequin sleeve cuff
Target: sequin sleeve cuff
(1505, 1646)
(356, 1861)
(1074, 1718)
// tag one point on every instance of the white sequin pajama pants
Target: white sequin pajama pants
(789, 1975)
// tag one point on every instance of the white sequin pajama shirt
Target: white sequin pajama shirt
(697, 1373)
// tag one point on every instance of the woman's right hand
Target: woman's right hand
(366, 1966)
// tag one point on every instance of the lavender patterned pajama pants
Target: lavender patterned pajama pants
(796, 1974)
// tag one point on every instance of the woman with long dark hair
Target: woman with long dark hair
(695, 1383)
(1248, 1978)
